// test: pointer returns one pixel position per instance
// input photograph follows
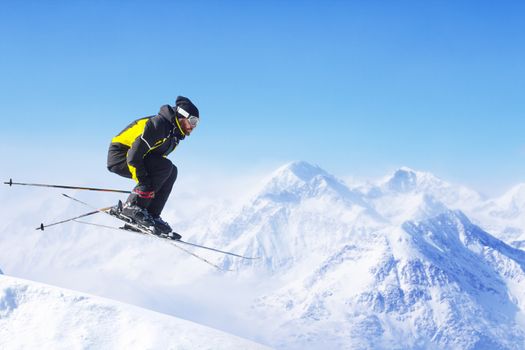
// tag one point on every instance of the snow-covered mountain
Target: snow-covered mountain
(409, 194)
(391, 266)
(408, 262)
(39, 316)
(440, 283)
(504, 216)
(513, 201)
(300, 214)
(304, 212)
(406, 191)
(405, 180)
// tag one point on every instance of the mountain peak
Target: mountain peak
(294, 174)
(406, 179)
(406, 169)
(517, 191)
(301, 170)
(298, 179)
(514, 199)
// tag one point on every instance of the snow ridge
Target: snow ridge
(38, 316)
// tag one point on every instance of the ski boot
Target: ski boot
(163, 229)
(137, 215)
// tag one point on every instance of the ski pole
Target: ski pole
(42, 226)
(11, 183)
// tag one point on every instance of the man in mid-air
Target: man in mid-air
(139, 152)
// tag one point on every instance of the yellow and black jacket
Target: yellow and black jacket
(154, 135)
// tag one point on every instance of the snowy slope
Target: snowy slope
(127, 267)
(39, 316)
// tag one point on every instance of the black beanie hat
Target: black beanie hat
(187, 106)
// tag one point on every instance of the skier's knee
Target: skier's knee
(174, 173)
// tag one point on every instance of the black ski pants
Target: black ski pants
(162, 174)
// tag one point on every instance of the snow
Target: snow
(420, 273)
(39, 316)
(406, 293)
(408, 262)
(505, 215)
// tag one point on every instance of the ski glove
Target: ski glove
(144, 191)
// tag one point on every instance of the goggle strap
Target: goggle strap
(183, 112)
(191, 118)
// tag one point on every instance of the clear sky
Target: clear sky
(358, 87)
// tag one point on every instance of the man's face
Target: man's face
(186, 126)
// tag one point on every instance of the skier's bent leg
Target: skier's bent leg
(161, 196)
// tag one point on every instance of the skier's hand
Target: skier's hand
(144, 191)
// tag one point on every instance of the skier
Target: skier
(139, 152)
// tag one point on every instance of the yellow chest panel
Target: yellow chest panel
(129, 135)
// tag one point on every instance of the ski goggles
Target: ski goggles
(194, 120)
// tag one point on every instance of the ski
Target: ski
(170, 240)
(75, 219)
(219, 251)
(147, 232)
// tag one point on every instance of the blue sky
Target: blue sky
(358, 87)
